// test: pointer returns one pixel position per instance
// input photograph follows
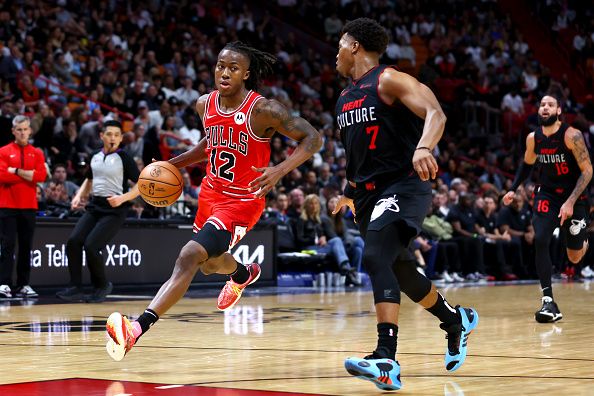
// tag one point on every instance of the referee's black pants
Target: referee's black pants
(91, 233)
(16, 223)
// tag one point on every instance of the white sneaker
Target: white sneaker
(5, 291)
(456, 277)
(27, 292)
(446, 277)
(587, 272)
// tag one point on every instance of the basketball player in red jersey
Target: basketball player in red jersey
(238, 124)
(560, 200)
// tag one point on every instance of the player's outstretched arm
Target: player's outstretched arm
(524, 169)
(396, 87)
(269, 116)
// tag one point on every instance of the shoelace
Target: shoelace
(236, 289)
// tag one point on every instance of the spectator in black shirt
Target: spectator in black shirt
(462, 216)
(515, 220)
(500, 250)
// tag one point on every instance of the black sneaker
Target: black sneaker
(549, 312)
(99, 295)
(73, 293)
(352, 278)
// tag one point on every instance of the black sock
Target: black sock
(387, 335)
(147, 319)
(444, 311)
(547, 291)
(241, 274)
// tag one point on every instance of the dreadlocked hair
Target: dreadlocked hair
(260, 62)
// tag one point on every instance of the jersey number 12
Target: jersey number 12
(224, 171)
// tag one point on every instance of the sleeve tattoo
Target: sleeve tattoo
(583, 159)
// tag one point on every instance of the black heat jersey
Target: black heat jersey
(379, 138)
(556, 164)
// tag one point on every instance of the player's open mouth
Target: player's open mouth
(225, 84)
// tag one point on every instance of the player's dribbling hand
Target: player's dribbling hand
(508, 197)
(264, 183)
(344, 201)
(424, 164)
(566, 212)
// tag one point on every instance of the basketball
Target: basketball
(160, 184)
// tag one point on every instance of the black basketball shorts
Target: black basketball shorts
(406, 201)
(548, 205)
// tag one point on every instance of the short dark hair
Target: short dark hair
(553, 94)
(260, 62)
(370, 34)
(112, 123)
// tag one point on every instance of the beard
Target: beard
(548, 121)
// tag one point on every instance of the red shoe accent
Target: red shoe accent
(231, 292)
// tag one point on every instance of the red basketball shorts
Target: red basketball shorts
(235, 215)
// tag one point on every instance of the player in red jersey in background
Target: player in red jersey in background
(238, 124)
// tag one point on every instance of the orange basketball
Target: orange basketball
(160, 183)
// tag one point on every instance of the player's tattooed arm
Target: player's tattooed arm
(580, 152)
(270, 116)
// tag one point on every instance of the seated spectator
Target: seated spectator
(315, 232)
(440, 233)
(463, 218)
(135, 145)
(351, 238)
(66, 144)
(296, 198)
(59, 176)
(173, 142)
(57, 201)
(515, 220)
(500, 250)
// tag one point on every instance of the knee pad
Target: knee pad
(384, 282)
(412, 283)
(215, 242)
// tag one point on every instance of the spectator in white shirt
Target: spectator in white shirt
(186, 93)
(513, 102)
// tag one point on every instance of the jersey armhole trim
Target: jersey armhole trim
(249, 123)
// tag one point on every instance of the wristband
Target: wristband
(423, 148)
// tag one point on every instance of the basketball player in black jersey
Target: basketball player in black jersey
(389, 163)
(560, 199)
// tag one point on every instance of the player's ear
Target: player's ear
(246, 75)
(355, 47)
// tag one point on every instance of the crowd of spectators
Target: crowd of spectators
(71, 65)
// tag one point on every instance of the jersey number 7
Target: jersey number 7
(372, 130)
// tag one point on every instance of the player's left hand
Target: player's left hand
(424, 164)
(264, 183)
(566, 212)
(115, 200)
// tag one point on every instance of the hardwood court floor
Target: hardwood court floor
(297, 343)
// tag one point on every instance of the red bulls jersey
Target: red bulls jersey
(232, 147)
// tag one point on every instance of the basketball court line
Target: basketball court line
(80, 385)
(293, 350)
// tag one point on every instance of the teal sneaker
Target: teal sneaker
(457, 335)
(384, 373)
